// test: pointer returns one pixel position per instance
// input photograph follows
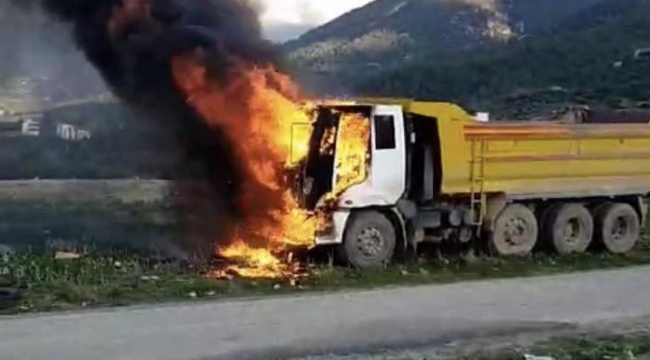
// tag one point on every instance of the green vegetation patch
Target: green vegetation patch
(47, 284)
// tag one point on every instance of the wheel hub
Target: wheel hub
(515, 231)
(571, 231)
(619, 229)
(370, 242)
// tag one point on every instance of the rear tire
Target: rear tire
(618, 228)
(369, 241)
(570, 228)
(515, 231)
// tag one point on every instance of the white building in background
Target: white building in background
(31, 127)
(65, 131)
(35, 125)
(71, 132)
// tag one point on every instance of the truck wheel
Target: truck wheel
(515, 231)
(618, 228)
(570, 228)
(369, 241)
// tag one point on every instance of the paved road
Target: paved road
(315, 324)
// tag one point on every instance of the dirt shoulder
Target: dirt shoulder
(627, 339)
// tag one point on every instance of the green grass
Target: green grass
(47, 284)
(622, 347)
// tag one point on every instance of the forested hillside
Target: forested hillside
(563, 52)
(389, 32)
(601, 61)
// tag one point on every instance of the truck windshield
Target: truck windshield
(338, 152)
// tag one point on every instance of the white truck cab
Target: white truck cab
(359, 211)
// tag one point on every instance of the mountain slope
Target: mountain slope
(594, 59)
(387, 32)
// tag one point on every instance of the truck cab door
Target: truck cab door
(388, 153)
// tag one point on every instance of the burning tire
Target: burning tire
(369, 241)
(618, 228)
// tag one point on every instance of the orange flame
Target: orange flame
(259, 263)
(352, 153)
(257, 109)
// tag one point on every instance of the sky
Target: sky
(287, 19)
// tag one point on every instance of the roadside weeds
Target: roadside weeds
(635, 346)
(93, 280)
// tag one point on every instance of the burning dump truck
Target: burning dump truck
(373, 176)
(394, 173)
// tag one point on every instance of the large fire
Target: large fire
(261, 117)
(258, 109)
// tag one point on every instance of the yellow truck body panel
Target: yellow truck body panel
(546, 160)
(536, 159)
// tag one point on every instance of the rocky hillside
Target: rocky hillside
(39, 65)
(547, 54)
(385, 33)
(598, 57)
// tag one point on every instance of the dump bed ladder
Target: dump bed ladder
(478, 198)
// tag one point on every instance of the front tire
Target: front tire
(369, 241)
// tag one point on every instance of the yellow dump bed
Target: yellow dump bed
(539, 159)
(543, 159)
(547, 160)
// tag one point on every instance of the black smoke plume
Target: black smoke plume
(135, 62)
